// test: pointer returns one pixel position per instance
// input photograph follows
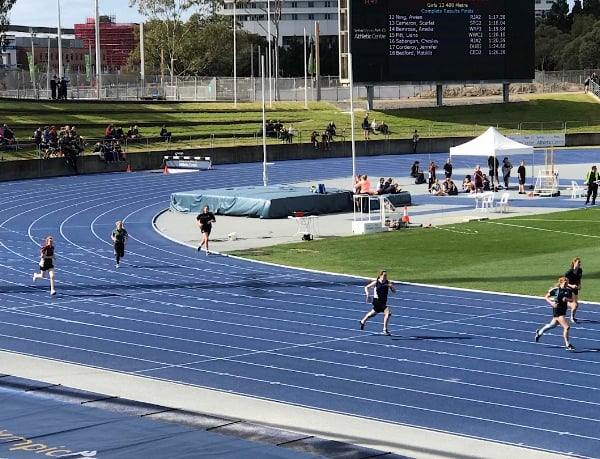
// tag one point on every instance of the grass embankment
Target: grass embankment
(210, 125)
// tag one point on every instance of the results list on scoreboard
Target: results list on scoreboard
(468, 27)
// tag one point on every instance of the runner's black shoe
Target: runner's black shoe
(362, 325)
(570, 347)
(537, 336)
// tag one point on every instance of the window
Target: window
(311, 16)
(311, 4)
(294, 17)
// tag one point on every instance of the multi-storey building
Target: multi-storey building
(297, 16)
(542, 7)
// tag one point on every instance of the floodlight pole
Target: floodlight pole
(264, 120)
(234, 58)
(58, 32)
(305, 73)
(98, 60)
(353, 143)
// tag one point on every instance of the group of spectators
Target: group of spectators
(362, 185)
(324, 139)
(58, 88)
(64, 142)
(7, 135)
(109, 151)
(373, 127)
(115, 132)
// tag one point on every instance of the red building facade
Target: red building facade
(117, 41)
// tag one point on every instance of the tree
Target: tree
(558, 15)
(167, 16)
(5, 7)
(548, 41)
(592, 7)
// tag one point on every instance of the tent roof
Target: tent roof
(491, 143)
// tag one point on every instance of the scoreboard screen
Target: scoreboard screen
(417, 40)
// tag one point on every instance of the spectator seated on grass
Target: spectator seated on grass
(133, 133)
(38, 136)
(383, 128)
(314, 139)
(325, 140)
(331, 130)
(165, 134)
(8, 136)
(119, 134)
(110, 132)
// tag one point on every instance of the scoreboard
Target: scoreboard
(418, 41)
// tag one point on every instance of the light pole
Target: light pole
(234, 58)
(172, 71)
(35, 94)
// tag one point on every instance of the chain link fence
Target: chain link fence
(21, 84)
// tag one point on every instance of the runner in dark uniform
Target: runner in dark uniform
(574, 275)
(205, 221)
(558, 297)
(381, 287)
(47, 263)
(119, 237)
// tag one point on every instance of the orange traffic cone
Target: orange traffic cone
(405, 217)
(166, 171)
(128, 168)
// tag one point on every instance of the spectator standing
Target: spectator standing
(521, 173)
(506, 168)
(493, 165)
(290, 133)
(558, 297)
(53, 85)
(478, 179)
(366, 126)
(591, 180)
(415, 141)
(119, 237)
(574, 275)
(432, 175)
(448, 168)
(47, 258)
(204, 221)
(381, 287)
(62, 89)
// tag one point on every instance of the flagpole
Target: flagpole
(353, 143)
(58, 32)
(269, 40)
(264, 120)
(305, 73)
(234, 58)
(98, 60)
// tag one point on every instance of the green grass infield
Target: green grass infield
(521, 255)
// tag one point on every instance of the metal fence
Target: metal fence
(18, 84)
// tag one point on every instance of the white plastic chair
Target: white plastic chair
(503, 205)
(487, 202)
(577, 191)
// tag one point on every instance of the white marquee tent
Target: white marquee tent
(491, 143)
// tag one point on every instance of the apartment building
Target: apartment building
(297, 16)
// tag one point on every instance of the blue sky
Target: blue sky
(44, 13)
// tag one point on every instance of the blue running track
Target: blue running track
(459, 361)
